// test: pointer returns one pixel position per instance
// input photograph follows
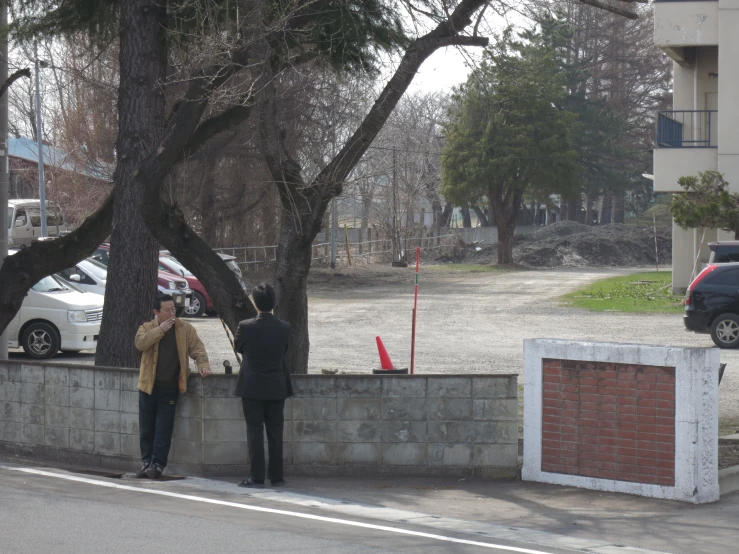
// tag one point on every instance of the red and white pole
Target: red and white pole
(415, 307)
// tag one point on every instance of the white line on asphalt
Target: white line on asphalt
(273, 511)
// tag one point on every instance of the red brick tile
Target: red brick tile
(608, 433)
(607, 441)
(627, 443)
(550, 453)
(664, 481)
(646, 377)
(665, 464)
(665, 405)
(608, 423)
(668, 430)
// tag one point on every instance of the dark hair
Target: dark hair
(264, 297)
(161, 298)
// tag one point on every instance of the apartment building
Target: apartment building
(701, 132)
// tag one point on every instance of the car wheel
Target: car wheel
(40, 341)
(197, 306)
(725, 331)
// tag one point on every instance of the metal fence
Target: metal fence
(251, 258)
(687, 129)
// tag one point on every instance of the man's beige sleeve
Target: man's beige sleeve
(196, 350)
(146, 339)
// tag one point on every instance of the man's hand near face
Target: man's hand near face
(167, 324)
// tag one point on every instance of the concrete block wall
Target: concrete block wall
(335, 425)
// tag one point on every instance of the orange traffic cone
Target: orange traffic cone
(385, 362)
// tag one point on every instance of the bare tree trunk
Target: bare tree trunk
(619, 207)
(482, 218)
(447, 214)
(131, 287)
(466, 219)
(505, 243)
(366, 208)
(605, 214)
(574, 207)
(208, 215)
(589, 215)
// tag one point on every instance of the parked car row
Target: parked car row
(64, 311)
(167, 283)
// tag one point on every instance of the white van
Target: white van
(24, 221)
(88, 276)
(55, 317)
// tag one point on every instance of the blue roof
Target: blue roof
(27, 149)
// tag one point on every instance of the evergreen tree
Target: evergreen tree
(510, 134)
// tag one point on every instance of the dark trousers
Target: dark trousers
(261, 414)
(156, 423)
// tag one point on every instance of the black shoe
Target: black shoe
(251, 483)
(140, 474)
(154, 471)
(280, 483)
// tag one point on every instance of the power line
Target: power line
(436, 153)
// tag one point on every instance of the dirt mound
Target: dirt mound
(570, 244)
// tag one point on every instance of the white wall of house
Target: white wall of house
(703, 39)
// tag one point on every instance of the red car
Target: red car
(167, 282)
(201, 302)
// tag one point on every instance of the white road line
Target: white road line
(273, 511)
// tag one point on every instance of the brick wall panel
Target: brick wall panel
(610, 421)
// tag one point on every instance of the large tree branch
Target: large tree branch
(613, 9)
(21, 271)
(13, 78)
(331, 179)
(226, 120)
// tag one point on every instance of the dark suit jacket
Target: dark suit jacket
(264, 374)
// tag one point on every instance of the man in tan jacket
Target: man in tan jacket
(165, 344)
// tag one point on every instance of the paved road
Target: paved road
(42, 513)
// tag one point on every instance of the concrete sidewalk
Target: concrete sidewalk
(618, 519)
(548, 515)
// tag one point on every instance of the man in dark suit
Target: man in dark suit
(264, 384)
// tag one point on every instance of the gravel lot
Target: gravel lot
(467, 322)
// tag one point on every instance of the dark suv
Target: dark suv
(724, 252)
(712, 304)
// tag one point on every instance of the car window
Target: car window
(725, 278)
(102, 256)
(726, 254)
(49, 284)
(178, 268)
(97, 269)
(85, 279)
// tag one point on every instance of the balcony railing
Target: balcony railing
(687, 129)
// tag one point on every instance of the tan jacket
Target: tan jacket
(188, 345)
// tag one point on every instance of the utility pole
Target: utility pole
(395, 207)
(334, 226)
(4, 180)
(40, 140)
